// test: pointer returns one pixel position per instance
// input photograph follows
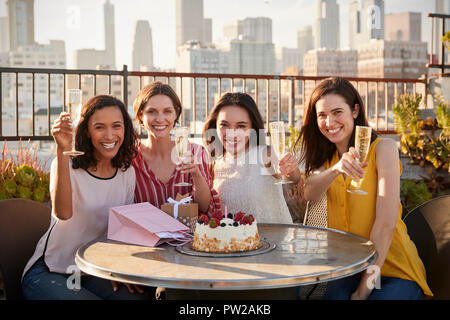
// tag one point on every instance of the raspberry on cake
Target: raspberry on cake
(226, 234)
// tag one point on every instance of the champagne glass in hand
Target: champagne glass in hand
(181, 135)
(278, 136)
(362, 144)
(74, 109)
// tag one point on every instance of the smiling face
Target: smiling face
(106, 130)
(233, 124)
(159, 116)
(335, 120)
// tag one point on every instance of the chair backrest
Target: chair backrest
(22, 224)
(316, 213)
(429, 228)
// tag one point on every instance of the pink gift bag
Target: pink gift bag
(144, 224)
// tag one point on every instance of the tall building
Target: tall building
(207, 31)
(52, 55)
(142, 55)
(21, 23)
(330, 62)
(110, 42)
(233, 30)
(194, 57)
(392, 59)
(91, 59)
(257, 29)
(305, 39)
(189, 21)
(326, 24)
(4, 35)
(405, 26)
(248, 57)
(366, 21)
(305, 42)
(288, 58)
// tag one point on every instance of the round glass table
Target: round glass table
(300, 255)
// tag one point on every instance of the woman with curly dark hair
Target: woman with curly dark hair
(82, 191)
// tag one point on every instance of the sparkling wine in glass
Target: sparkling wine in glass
(181, 136)
(278, 138)
(74, 109)
(362, 144)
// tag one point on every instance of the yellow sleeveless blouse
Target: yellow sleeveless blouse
(356, 214)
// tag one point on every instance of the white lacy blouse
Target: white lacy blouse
(246, 185)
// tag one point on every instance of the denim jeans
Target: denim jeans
(390, 289)
(41, 284)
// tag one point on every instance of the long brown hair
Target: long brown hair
(239, 99)
(315, 147)
(127, 150)
(151, 90)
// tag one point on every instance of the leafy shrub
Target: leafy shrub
(23, 175)
(414, 193)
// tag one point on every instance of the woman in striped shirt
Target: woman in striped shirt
(157, 108)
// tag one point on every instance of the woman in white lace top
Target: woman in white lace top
(242, 168)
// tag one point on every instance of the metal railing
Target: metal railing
(280, 97)
(442, 63)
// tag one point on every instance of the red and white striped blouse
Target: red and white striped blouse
(150, 189)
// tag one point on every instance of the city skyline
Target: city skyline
(71, 22)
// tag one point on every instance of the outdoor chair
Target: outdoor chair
(315, 216)
(22, 224)
(429, 228)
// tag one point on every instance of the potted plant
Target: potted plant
(22, 175)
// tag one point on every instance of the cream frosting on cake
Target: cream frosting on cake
(228, 235)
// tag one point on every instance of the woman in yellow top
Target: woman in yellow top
(331, 162)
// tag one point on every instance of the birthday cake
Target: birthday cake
(233, 233)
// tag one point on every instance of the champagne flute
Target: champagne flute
(278, 138)
(181, 135)
(362, 144)
(74, 109)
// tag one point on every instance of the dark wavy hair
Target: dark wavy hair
(315, 147)
(239, 99)
(127, 151)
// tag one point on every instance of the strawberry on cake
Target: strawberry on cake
(233, 233)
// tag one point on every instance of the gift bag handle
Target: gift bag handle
(182, 241)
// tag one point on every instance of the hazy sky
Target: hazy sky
(80, 22)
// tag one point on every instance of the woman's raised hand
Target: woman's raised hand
(288, 164)
(62, 131)
(349, 165)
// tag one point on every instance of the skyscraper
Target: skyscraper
(21, 23)
(405, 26)
(142, 46)
(110, 42)
(326, 24)
(257, 29)
(366, 21)
(189, 21)
(4, 35)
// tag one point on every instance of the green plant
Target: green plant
(418, 139)
(414, 193)
(22, 175)
(406, 113)
(442, 112)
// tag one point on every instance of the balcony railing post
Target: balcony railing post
(291, 103)
(125, 85)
